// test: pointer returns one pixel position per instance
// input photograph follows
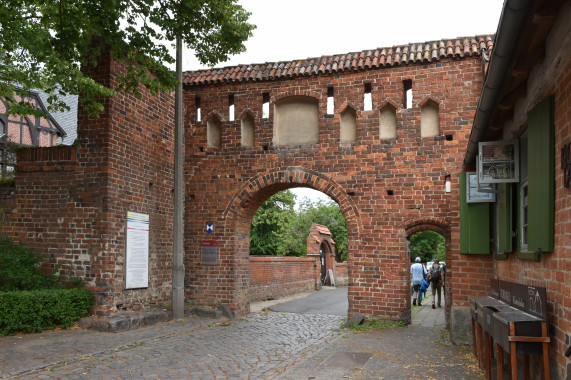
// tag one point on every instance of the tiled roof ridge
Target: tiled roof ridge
(413, 53)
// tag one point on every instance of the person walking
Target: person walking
(418, 273)
(423, 287)
(436, 273)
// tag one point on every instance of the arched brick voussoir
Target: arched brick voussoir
(259, 188)
(296, 92)
(414, 225)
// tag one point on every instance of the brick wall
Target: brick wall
(380, 185)
(276, 276)
(553, 271)
(72, 202)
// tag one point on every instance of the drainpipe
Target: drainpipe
(511, 20)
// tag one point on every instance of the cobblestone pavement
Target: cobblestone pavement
(259, 346)
(263, 345)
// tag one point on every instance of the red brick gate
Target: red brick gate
(378, 131)
(384, 161)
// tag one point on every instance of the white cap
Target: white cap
(418, 260)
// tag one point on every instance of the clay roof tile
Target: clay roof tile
(366, 59)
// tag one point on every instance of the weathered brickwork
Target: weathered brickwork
(386, 189)
(273, 276)
(72, 202)
(382, 186)
(553, 271)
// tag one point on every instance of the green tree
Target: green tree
(270, 224)
(45, 44)
(427, 245)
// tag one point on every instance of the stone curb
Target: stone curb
(135, 320)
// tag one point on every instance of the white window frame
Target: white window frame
(510, 162)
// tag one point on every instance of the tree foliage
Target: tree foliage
(45, 44)
(324, 213)
(278, 229)
(428, 245)
(270, 223)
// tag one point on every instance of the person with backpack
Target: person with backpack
(417, 273)
(423, 287)
(436, 281)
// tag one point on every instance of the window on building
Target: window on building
(388, 122)
(330, 101)
(407, 84)
(265, 105)
(247, 126)
(231, 107)
(429, 119)
(213, 132)
(197, 107)
(524, 193)
(348, 125)
(368, 101)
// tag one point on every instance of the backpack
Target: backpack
(435, 275)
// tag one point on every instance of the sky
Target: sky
(299, 29)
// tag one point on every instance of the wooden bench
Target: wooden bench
(515, 318)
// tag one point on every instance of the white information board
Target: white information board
(137, 251)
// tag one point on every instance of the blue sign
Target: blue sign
(209, 228)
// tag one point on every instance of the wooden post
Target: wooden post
(526, 367)
(546, 369)
(480, 347)
(488, 355)
(500, 361)
(513, 353)
(474, 338)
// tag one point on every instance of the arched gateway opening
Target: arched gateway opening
(244, 204)
(442, 228)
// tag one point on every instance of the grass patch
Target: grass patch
(376, 324)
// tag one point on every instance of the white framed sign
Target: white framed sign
(137, 251)
(473, 195)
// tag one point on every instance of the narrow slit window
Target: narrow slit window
(198, 110)
(330, 101)
(231, 107)
(407, 84)
(265, 105)
(368, 102)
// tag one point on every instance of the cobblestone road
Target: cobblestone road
(259, 346)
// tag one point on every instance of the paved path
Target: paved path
(329, 300)
(263, 345)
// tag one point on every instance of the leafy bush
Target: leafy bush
(38, 310)
(20, 268)
(33, 301)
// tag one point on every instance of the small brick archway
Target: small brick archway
(442, 227)
(244, 204)
(321, 245)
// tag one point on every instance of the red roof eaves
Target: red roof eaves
(430, 51)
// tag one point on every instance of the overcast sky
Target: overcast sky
(299, 29)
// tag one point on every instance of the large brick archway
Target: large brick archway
(253, 193)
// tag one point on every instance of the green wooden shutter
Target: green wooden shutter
(541, 158)
(474, 223)
(504, 218)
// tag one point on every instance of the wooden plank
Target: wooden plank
(539, 339)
